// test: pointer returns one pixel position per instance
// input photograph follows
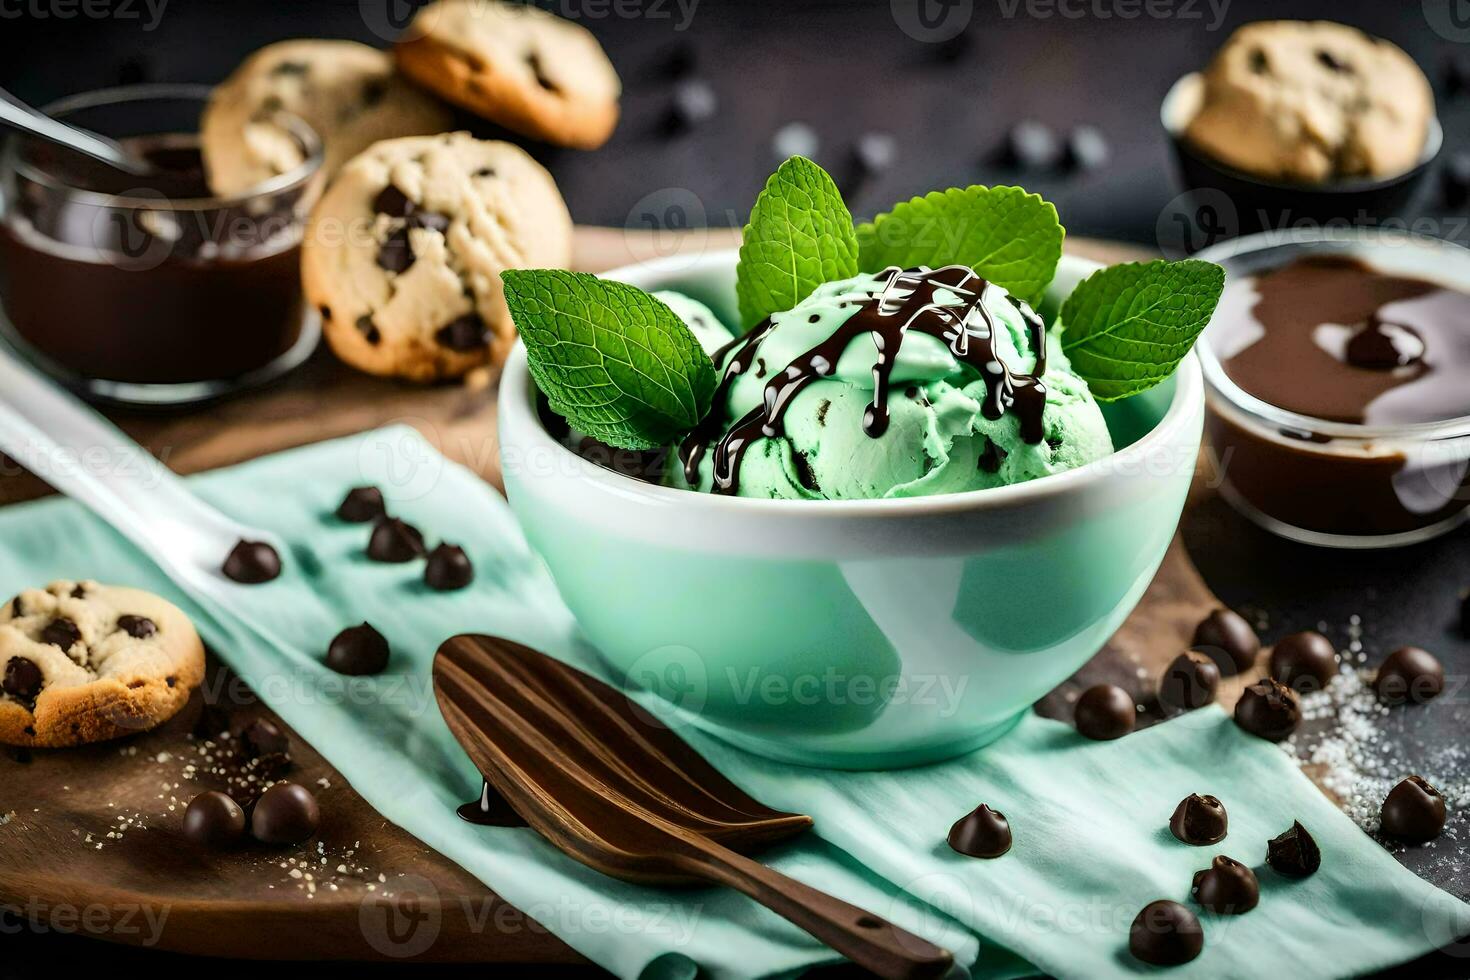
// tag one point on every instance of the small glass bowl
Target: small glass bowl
(148, 290)
(1337, 484)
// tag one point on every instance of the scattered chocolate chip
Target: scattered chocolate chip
(326, 313)
(448, 568)
(1260, 64)
(61, 632)
(395, 541)
(358, 651)
(138, 627)
(1199, 820)
(693, 102)
(213, 819)
(1413, 811)
(1410, 674)
(874, 153)
(1165, 933)
(1226, 887)
(464, 333)
(1105, 712)
(1087, 149)
(79, 591)
(396, 252)
(1304, 662)
(362, 504)
(252, 562)
(1332, 63)
(1032, 145)
(23, 679)
(374, 90)
(1295, 853)
(285, 814)
(1190, 682)
(1268, 709)
(982, 833)
(393, 202)
(369, 329)
(261, 737)
(1226, 638)
(17, 609)
(485, 172)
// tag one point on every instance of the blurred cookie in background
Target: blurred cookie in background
(404, 252)
(520, 67)
(347, 92)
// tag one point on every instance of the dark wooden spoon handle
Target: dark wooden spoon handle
(873, 943)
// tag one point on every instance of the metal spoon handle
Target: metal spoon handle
(17, 114)
(873, 943)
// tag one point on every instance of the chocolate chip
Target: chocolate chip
(291, 68)
(369, 330)
(1410, 674)
(1294, 853)
(374, 90)
(362, 504)
(1332, 63)
(1105, 712)
(395, 541)
(79, 591)
(1227, 639)
(1190, 682)
(1032, 145)
(464, 333)
(448, 568)
(1268, 709)
(213, 819)
(485, 172)
(261, 738)
(1305, 661)
(285, 814)
(23, 679)
(1199, 820)
(357, 651)
(252, 562)
(805, 476)
(61, 632)
(982, 833)
(432, 220)
(1260, 64)
(1413, 811)
(396, 253)
(533, 61)
(393, 202)
(693, 102)
(138, 627)
(991, 457)
(326, 313)
(1165, 933)
(1226, 887)
(1087, 149)
(17, 609)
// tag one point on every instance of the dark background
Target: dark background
(844, 68)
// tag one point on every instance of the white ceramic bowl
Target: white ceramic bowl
(852, 634)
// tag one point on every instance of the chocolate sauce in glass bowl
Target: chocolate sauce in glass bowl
(1332, 338)
(907, 302)
(147, 279)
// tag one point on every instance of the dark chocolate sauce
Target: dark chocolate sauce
(906, 302)
(490, 810)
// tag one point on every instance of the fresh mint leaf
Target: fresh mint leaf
(615, 362)
(1126, 328)
(800, 236)
(1006, 235)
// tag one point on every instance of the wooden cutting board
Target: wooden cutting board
(90, 840)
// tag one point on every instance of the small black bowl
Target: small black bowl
(1258, 204)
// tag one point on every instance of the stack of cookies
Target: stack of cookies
(404, 251)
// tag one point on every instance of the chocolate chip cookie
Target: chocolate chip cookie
(404, 252)
(82, 662)
(347, 92)
(1312, 101)
(520, 67)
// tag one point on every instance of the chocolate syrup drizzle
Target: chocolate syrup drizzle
(906, 302)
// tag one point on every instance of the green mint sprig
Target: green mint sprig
(615, 362)
(1126, 328)
(1009, 237)
(800, 236)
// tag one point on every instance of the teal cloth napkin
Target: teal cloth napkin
(1090, 819)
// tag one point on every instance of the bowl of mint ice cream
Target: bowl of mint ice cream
(863, 511)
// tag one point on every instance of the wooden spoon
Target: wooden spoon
(613, 788)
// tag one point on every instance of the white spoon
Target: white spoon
(15, 113)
